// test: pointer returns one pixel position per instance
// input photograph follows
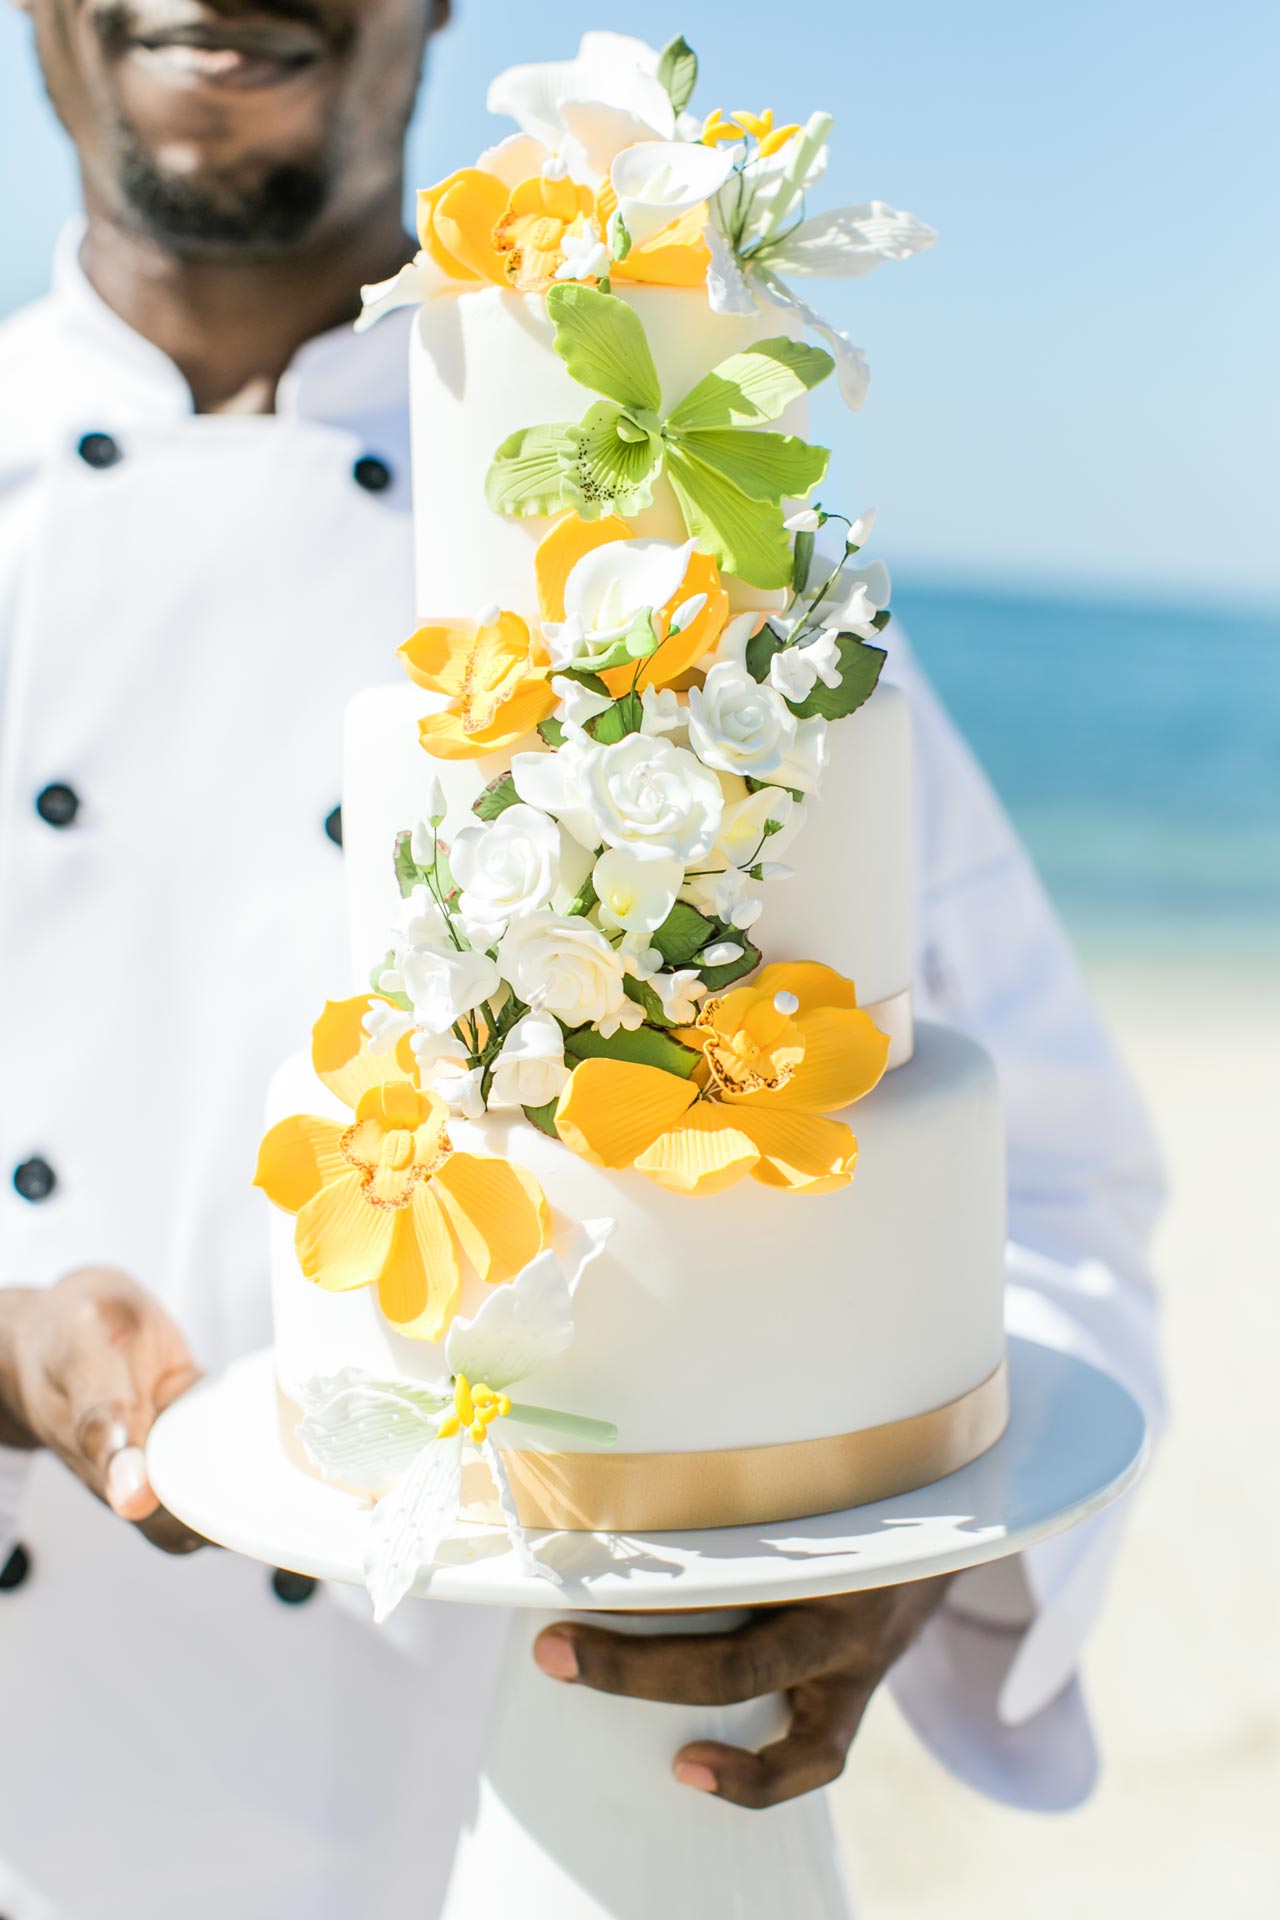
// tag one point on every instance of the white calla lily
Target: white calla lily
(636, 891)
(657, 180)
(591, 107)
(611, 588)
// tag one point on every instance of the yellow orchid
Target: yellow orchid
(385, 1200)
(495, 676)
(778, 1057)
(756, 126)
(570, 539)
(476, 229)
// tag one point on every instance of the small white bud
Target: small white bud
(786, 1003)
(554, 168)
(437, 805)
(860, 532)
(722, 954)
(687, 612)
(807, 520)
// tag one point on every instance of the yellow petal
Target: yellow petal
(813, 984)
(437, 657)
(464, 217)
(297, 1157)
(428, 200)
(420, 1278)
(678, 256)
(341, 1240)
(341, 1055)
(612, 1110)
(844, 1057)
(500, 1227)
(706, 1153)
(559, 551)
(799, 1152)
(446, 737)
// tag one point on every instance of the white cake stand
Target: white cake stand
(578, 1816)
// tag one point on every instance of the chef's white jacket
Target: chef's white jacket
(186, 603)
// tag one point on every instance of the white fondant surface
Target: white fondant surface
(848, 904)
(482, 365)
(749, 1317)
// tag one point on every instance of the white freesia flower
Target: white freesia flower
(459, 1086)
(444, 983)
(578, 704)
(855, 597)
(727, 896)
(636, 890)
(586, 256)
(646, 793)
(608, 591)
(373, 1433)
(796, 671)
(506, 866)
(679, 993)
(739, 725)
(385, 1025)
(530, 1070)
(589, 108)
(657, 180)
(563, 965)
(661, 709)
(420, 919)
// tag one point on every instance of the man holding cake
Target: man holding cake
(206, 549)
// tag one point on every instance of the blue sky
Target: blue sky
(1078, 385)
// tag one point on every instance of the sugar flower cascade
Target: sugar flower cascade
(584, 950)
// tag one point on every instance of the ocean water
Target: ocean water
(1138, 750)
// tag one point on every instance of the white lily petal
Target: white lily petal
(656, 180)
(528, 1559)
(365, 1432)
(531, 95)
(518, 1328)
(410, 1523)
(727, 287)
(847, 242)
(852, 372)
(413, 284)
(600, 132)
(514, 159)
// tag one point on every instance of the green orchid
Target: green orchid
(729, 478)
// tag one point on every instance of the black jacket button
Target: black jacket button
(99, 450)
(293, 1588)
(35, 1179)
(15, 1570)
(372, 474)
(333, 826)
(58, 804)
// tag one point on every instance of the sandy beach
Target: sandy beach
(1184, 1672)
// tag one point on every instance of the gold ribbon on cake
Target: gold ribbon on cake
(730, 1486)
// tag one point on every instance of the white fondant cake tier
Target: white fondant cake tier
(745, 1318)
(482, 365)
(848, 903)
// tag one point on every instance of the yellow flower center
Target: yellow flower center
(530, 235)
(752, 1044)
(398, 1140)
(475, 1408)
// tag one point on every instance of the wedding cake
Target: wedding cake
(626, 1194)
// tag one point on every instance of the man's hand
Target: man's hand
(827, 1656)
(85, 1368)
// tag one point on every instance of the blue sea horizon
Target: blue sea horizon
(1137, 747)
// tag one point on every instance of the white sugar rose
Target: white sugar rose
(738, 725)
(530, 1070)
(646, 793)
(563, 965)
(506, 866)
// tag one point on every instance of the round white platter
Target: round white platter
(1075, 1442)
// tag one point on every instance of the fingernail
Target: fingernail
(126, 1476)
(555, 1655)
(692, 1773)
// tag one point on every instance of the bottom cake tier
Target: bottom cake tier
(763, 1355)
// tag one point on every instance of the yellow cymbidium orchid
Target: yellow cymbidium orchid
(779, 1056)
(496, 677)
(385, 1200)
(570, 539)
(476, 229)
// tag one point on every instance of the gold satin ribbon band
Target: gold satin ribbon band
(730, 1487)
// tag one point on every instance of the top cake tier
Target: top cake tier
(482, 366)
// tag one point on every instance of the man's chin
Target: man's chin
(265, 212)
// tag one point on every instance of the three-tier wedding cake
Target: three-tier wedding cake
(571, 1223)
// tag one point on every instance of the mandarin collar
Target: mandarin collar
(338, 376)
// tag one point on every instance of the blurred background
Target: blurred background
(1071, 438)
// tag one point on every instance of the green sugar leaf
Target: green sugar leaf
(749, 389)
(408, 873)
(860, 666)
(761, 648)
(764, 466)
(716, 979)
(678, 71)
(644, 996)
(544, 1118)
(616, 722)
(528, 474)
(746, 536)
(683, 933)
(552, 732)
(496, 798)
(644, 1046)
(603, 345)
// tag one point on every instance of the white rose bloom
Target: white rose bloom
(636, 890)
(444, 983)
(564, 966)
(739, 725)
(530, 1070)
(647, 793)
(679, 993)
(506, 866)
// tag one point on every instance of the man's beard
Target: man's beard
(264, 215)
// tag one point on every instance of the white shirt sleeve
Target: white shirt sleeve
(991, 1685)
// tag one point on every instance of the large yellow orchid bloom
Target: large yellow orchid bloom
(385, 1200)
(779, 1056)
(495, 676)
